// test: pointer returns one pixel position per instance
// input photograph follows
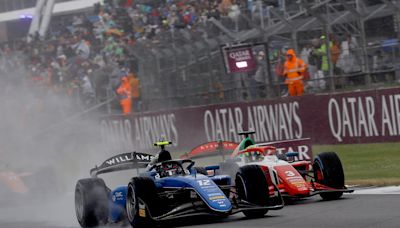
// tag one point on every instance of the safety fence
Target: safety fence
(186, 68)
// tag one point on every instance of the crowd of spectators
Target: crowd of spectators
(346, 60)
(85, 55)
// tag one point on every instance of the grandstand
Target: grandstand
(174, 46)
(16, 15)
(192, 66)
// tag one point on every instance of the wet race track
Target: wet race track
(364, 208)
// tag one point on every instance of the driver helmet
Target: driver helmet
(253, 156)
(164, 156)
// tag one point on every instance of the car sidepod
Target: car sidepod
(291, 180)
(205, 188)
(117, 202)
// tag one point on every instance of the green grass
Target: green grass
(368, 164)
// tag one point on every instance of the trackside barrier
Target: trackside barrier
(352, 117)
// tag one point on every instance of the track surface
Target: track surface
(364, 208)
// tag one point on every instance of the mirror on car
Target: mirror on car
(292, 154)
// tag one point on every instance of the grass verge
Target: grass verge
(368, 164)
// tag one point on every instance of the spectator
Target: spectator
(257, 81)
(380, 64)
(347, 61)
(224, 7)
(279, 68)
(88, 93)
(125, 93)
(294, 69)
(318, 81)
(322, 52)
(103, 42)
(335, 53)
(82, 49)
(135, 90)
(306, 53)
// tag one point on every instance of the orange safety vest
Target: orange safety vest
(125, 91)
(294, 69)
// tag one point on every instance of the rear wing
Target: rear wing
(133, 160)
(209, 149)
(221, 148)
(303, 146)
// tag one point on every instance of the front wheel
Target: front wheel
(141, 202)
(252, 186)
(328, 170)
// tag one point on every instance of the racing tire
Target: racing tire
(201, 170)
(91, 202)
(328, 170)
(141, 202)
(252, 186)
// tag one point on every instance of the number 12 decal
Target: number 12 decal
(204, 182)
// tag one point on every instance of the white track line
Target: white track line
(378, 190)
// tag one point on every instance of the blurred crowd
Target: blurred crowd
(346, 60)
(86, 56)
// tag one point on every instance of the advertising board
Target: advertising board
(354, 117)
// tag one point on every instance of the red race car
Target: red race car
(295, 178)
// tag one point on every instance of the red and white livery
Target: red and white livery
(295, 178)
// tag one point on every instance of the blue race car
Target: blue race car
(171, 189)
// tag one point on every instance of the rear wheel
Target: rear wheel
(328, 170)
(141, 200)
(91, 202)
(252, 186)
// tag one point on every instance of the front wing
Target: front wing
(199, 207)
(315, 189)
